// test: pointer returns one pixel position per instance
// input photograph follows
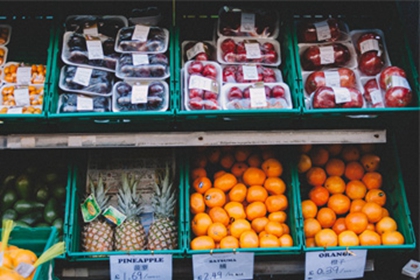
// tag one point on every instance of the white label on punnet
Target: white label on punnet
(247, 22)
(322, 30)
(203, 83)
(23, 75)
(15, 110)
(82, 76)
(139, 94)
(258, 98)
(21, 96)
(24, 269)
(332, 78)
(376, 97)
(369, 45)
(252, 50)
(95, 50)
(250, 72)
(84, 103)
(141, 32)
(140, 59)
(327, 54)
(398, 81)
(196, 49)
(92, 31)
(342, 94)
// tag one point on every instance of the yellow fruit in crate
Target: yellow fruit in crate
(8, 274)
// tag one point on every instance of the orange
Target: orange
(238, 227)
(235, 210)
(238, 168)
(305, 148)
(255, 209)
(217, 231)
(369, 238)
(334, 184)
(199, 160)
(274, 228)
(214, 155)
(258, 224)
(357, 205)
(316, 176)
(373, 211)
(198, 172)
(238, 193)
(319, 195)
(202, 184)
(269, 240)
(371, 227)
(272, 167)
(372, 180)
(275, 185)
(197, 204)
(385, 224)
(229, 242)
(219, 215)
(376, 195)
(203, 243)
(200, 223)
(334, 149)
(326, 217)
(326, 238)
(214, 197)
(278, 216)
(249, 239)
(227, 160)
(286, 229)
(286, 240)
(370, 162)
(7, 261)
(348, 238)
(339, 225)
(335, 167)
(267, 153)
(385, 212)
(261, 234)
(392, 238)
(253, 176)
(356, 222)
(310, 242)
(225, 182)
(350, 153)
(309, 209)
(276, 203)
(339, 203)
(254, 160)
(356, 189)
(319, 156)
(24, 256)
(241, 154)
(256, 193)
(310, 227)
(354, 170)
(218, 174)
(366, 148)
(304, 163)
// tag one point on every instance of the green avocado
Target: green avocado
(42, 224)
(21, 224)
(59, 192)
(51, 211)
(23, 206)
(42, 194)
(31, 218)
(23, 187)
(50, 177)
(58, 223)
(9, 214)
(8, 198)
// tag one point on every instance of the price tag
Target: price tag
(90, 209)
(27, 142)
(23, 75)
(332, 78)
(196, 49)
(141, 32)
(140, 59)
(140, 267)
(24, 269)
(84, 103)
(335, 264)
(252, 50)
(91, 30)
(15, 110)
(342, 94)
(227, 266)
(203, 83)
(82, 76)
(21, 96)
(139, 94)
(369, 45)
(322, 30)
(398, 81)
(247, 22)
(250, 72)
(376, 97)
(258, 98)
(327, 54)
(95, 50)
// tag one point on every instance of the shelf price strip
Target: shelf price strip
(335, 264)
(140, 267)
(229, 266)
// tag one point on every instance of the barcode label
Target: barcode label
(141, 32)
(327, 54)
(322, 30)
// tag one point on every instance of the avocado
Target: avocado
(31, 218)
(9, 214)
(8, 198)
(23, 186)
(58, 223)
(23, 206)
(59, 192)
(42, 194)
(51, 211)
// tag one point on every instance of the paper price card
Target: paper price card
(139, 94)
(335, 264)
(227, 266)
(341, 94)
(202, 83)
(84, 103)
(258, 97)
(23, 75)
(140, 33)
(250, 72)
(327, 55)
(95, 50)
(140, 267)
(322, 30)
(82, 76)
(369, 45)
(140, 59)
(247, 22)
(252, 50)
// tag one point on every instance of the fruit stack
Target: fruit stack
(343, 199)
(238, 199)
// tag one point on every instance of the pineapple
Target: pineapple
(163, 233)
(130, 235)
(97, 235)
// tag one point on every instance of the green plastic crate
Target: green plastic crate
(292, 218)
(396, 203)
(38, 240)
(73, 238)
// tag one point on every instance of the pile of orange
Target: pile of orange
(237, 199)
(345, 203)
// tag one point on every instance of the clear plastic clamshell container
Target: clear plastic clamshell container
(75, 103)
(198, 50)
(5, 33)
(250, 74)
(20, 99)
(3, 55)
(23, 73)
(106, 25)
(142, 39)
(143, 67)
(322, 30)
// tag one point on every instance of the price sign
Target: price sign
(257, 97)
(247, 22)
(326, 54)
(140, 33)
(139, 94)
(322, 30)
(250, 72)
(252, 50)
(335, 264)
(84, 103)
(95, 50)
(140, 59)
(82, 76)
(23, 75)
(140, 267)
(223, 266)
(342, 94)
(21, 96)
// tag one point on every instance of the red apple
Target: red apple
(195, 67)
(267, 46)
(367, 36)
(234, 93)
(210, 95)
(270, 57)
(311, 57)
(195, 103)
(209, 71)
(229, 74)
(228, 45)
(384, 79)
(211, 104)
(398, 97)
(240, 48)
(323, 98)
(194, 92)
(369, 87)
(317, 79)
(241, 57)
(370, 63)
(356, 99)
(308, 34)
(278, 92)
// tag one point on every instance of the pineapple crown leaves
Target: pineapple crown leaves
(165, 198)
(100, 192)
(129, 200)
